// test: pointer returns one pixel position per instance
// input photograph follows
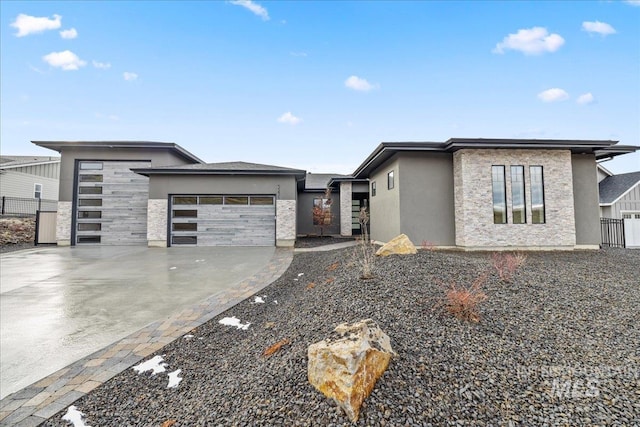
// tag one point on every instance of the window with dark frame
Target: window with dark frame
(321, 211)
(390, 180)
(499, 195)
(518, 205)
(373, 189)
(536, 177)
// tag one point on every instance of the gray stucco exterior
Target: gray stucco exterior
(585, 196)
(385, 223)
(427, 198)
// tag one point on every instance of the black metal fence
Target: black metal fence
(612, 232)
(19, 206)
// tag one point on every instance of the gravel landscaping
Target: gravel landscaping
(559, 345)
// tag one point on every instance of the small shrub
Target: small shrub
(507, 264)
(364, 253)
(462, 302)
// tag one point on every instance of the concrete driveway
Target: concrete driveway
(58, 305)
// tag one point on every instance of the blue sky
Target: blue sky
(318, 85)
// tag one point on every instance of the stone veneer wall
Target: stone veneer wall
(157, 222)
(63, 224)
(345, 208)
(474, 202)
(285, 222)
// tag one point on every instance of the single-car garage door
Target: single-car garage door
(111, 203)
(223, 220)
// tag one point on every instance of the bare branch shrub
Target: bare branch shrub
(321, 211)
(365, 252)
(462, 302)
(507, 264)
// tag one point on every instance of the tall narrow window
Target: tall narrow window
(537, 195)
(390, 180)
(373, 189)
(517, 195)
(499, 195)
(37, 191)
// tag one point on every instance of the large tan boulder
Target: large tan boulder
(399, 245)
(346, 366)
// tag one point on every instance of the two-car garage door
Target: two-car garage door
(223, 220)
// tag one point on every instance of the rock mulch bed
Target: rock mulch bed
(560, 345)
(16, 233)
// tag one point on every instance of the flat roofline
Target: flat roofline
(169, 171)
(60, 145)
(386, 150)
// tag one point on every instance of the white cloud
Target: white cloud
(32, 24)
(101, 65)
(585, 98)
(66, 60)
(71, 33)
(289, 118)
(601, 28)
(129, 76)
(633, 2)
(357, 83)
(532, 41)
(253, 7)
(553, 95)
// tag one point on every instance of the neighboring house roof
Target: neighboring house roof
(224, 168)
(10, 162)
(614, 187)
(320, 181)
(178, 150)
(600, 148)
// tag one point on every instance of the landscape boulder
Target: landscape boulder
(399, 245)
(346, 366)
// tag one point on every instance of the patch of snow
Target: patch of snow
(74, 417)
(258, 300)
(173, 268)
(234, 321)
(174, 379)
(188, 336)
(199, 260)
(300, 274)
(275, 301)
(295, 280)
(156, 365)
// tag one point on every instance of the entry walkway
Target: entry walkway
(41, 400)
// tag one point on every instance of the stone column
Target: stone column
(285, 222)
(63, 223)
(157, 223)
(345, 208)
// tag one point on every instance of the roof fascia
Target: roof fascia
(60, 145)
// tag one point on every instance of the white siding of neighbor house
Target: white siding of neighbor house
(474, 206)
(20, 184)
(629, 202)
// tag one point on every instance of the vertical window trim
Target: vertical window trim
(515, 184)
(390, 180)
(504, 193)
(532, 183)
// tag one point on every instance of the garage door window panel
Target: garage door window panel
(90, 178)
(90, 202)
(89, 214)
(236, 200)
(88, 239)
(185, 200)
(185, 213)
(211, 200)
(263, 201)
(90, 165)
(185, 226)
(184, 240)
(89, 226)
(90, 190)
